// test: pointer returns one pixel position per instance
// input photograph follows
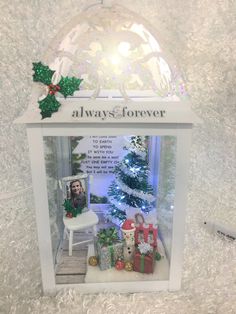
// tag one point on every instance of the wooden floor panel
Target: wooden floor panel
(69, 279)
(72, 269)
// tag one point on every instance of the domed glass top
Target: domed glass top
(112, 48)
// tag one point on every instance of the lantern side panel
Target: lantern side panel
(67, 157)
(166, 190)
(55, 154)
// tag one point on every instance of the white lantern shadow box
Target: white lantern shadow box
(124, 150)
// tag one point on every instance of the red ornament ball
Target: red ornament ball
(69, 215)
(120, 264)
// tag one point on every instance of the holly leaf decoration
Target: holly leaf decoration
(42, 73)
(157, 256)
(68, 85)
(69, 208)
(79, 209)
(67, 205)
(48, 106)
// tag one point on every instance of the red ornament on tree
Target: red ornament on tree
(120, 264)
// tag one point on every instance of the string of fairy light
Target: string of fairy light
(131, 189)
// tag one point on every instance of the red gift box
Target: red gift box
(144, 263)
(145, 232)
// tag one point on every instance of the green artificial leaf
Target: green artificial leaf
(48, 106)
(79, 209)
(74, 212)
(158, 256)
(42, 73)
(68, 85)
(67, 206)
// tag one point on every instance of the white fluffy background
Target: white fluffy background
(201, 36)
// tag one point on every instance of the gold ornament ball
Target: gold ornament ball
(93, 260)
(128, 266)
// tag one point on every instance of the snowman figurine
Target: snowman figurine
(128, 229)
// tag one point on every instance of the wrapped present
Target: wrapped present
(144, 258)
(145, 232)
(108, 248)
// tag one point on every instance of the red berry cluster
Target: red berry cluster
(69, 215)
(53, 89)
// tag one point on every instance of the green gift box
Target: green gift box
(108, 248)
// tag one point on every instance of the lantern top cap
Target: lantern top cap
(117, 61)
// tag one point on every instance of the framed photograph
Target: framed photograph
(76, 192)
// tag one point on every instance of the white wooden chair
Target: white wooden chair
(83, 221)
(86, 220)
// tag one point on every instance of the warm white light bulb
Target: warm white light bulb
(124, 48)
(115, 60)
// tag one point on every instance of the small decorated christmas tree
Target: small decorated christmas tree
(130, 189)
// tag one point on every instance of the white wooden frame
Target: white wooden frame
(36, 132)
(178, 122)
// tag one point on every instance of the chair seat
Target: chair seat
(82, 221)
